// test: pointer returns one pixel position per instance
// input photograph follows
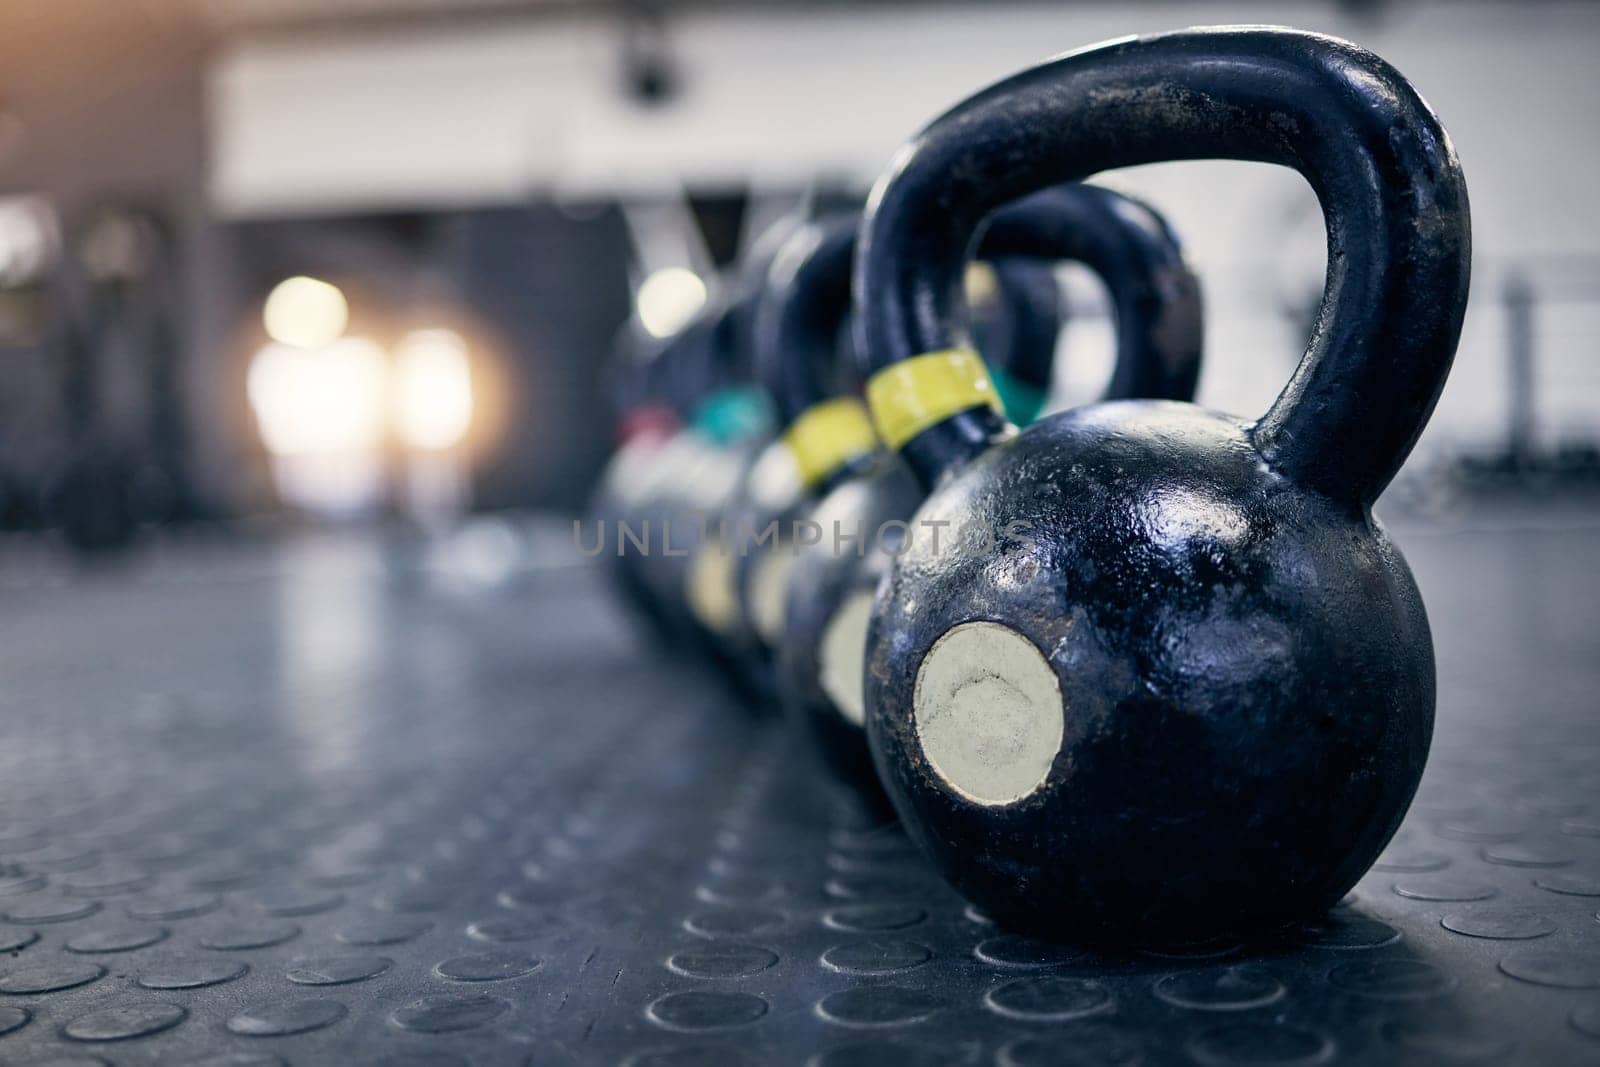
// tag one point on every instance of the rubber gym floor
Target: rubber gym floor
(302, 800)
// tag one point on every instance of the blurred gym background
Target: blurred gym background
(341, 260)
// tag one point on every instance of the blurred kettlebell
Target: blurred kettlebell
(1178, 684)
(698, 467)
(1157, 310)
(648, 416)
(822, 435)
(828, 437)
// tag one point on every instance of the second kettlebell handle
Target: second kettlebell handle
(1391, 189)
(1129, 246)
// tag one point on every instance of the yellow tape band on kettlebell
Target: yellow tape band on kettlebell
(914, 394)
(828, 435)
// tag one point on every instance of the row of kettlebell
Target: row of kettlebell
(1140, 671)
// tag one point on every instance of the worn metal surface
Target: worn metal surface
(276, 805)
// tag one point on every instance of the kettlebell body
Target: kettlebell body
(703, 471)
(1174, 675)
(827, 609)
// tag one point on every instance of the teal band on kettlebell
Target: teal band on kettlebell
(1022, 401)
(734, 413)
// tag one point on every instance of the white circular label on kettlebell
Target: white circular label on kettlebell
(775, 479)
(843, 656)
(769, 586)
(711, 596)
(987, 709)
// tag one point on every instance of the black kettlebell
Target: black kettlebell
(646, 380)
(828, 437)
(822, 435)
(703, 582)
(1159, 328)
(692, 474)
(1176, 683)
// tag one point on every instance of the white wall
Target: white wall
(497, 113)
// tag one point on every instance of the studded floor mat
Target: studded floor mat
(308, 803)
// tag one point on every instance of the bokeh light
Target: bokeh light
(432, 390)
(320, 403)
(668, 299)
(305, 312)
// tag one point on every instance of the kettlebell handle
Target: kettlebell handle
(803, 306)
(1156, 302)
(1391, 189)
(1156, 297)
